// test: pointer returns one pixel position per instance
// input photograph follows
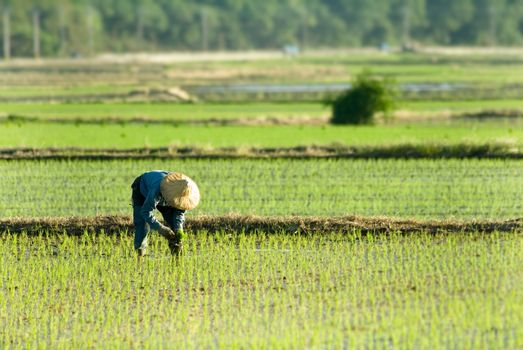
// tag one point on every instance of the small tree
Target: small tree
(367, 96)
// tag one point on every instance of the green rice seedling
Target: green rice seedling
(128, 135)
(259, 290)
(425, 189)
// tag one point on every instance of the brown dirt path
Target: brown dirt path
(401, 151)
(249, 224)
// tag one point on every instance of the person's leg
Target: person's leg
(174, 219)
(141, 230)
(140, 226)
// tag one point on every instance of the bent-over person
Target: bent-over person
(172, 193)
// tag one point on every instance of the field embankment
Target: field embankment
(401, 151)
(235, 224)
(261, 118)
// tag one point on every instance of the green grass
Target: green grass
(461, 72)
(459, 106)
(138, 135)
(57, 90)
(257, 291)
(405, 68)
(208, 111)
(163, 111)
(424, 189)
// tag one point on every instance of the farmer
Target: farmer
(172, 194)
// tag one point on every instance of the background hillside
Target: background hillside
(82, 27)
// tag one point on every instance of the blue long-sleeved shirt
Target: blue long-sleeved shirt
(150, 189)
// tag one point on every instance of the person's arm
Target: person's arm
(178, 219)
(151, 201)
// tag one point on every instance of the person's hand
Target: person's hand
(180, 235)
(176, 247)
(176, 243)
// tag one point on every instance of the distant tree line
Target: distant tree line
(82, 27)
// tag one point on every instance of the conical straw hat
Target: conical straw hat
(179, 191)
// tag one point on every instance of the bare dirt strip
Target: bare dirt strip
(405, 151)
(250, 224)
(399, 117)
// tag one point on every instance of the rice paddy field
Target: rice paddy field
(421, 189)
(260, 291)
(124, 136)
(406, 234)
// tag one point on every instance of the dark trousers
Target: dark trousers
(172, 216)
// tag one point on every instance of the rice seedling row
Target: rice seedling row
(258, 291)
(121, 136)
(424, 189)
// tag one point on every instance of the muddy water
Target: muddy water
(318, 88)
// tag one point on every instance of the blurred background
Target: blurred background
(73, 28)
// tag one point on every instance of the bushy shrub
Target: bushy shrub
(367, 96)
